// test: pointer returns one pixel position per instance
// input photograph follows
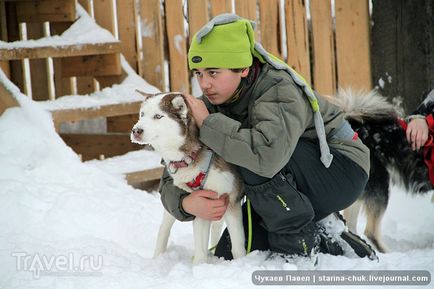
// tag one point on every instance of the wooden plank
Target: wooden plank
(179, 77)
(197, 16)
(270, 26)
(352, 44)
(38, 67)
(91, 146)
(85, 84)
(151, 24)
(60, 51)
(246, 9)
(144, 176)
(105, 14)
(92, 65)
(63, 115)
(324, 70)
(46, 10)
(220, 6)
(86, 6)
(122, 123)
(4, 66)
(6, 99)
(63, 86)
(127, 31)
(104, 11)
(297, 39)
(3, 27)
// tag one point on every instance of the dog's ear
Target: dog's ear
(146, 95)
(178, 103)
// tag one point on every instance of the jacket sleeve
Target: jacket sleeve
(278, 118)
(172, 196)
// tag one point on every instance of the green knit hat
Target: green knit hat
(227, 45)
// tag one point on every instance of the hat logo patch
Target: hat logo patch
(196, 59)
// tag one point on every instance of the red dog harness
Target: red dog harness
(199, 181)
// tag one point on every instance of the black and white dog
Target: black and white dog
(392, 159)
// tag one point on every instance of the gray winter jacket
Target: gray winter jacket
(261, 129)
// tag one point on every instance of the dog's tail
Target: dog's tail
(362, 106)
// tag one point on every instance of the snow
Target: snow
(56, 210)
(68, 224)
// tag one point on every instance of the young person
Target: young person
(299, 159)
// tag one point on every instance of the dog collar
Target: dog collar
(185, 162)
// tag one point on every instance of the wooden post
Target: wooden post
(86, 84)
(297, 39)
(403, 49)
(352, 44)
(38, 67)
(197, 16)
(151, 24)
(179, 75)
(127, 30)
(324, 68)
(270, 26)
(246, 9)
(220, 6)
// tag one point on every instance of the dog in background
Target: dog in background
(166, 123)
(392, 160)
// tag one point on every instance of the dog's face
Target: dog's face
(164, 123)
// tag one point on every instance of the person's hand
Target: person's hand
(206, 204)
(198, 109)
(417, 133)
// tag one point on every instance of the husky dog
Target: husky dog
(392, 160)
(166, 123)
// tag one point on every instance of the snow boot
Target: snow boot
(336, 238)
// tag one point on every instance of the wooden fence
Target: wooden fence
(328, 45)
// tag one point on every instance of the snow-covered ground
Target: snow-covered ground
(56, 212)
(68, 224)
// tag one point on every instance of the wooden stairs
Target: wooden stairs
(88, 63)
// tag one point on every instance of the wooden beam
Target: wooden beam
(92, 146)
(6, 99)
(92, 65)
(144, 176)
(63, 115)
(60, 51)
(46, 10)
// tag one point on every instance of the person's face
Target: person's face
(219, 84)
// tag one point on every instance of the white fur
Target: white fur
(164, 134)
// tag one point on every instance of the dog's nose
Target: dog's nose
(137, 132)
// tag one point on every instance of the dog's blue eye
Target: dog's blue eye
(158, 116)
(142, 114)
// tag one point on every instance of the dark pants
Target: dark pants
(287, 206)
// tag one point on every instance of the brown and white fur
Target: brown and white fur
(167, 125)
